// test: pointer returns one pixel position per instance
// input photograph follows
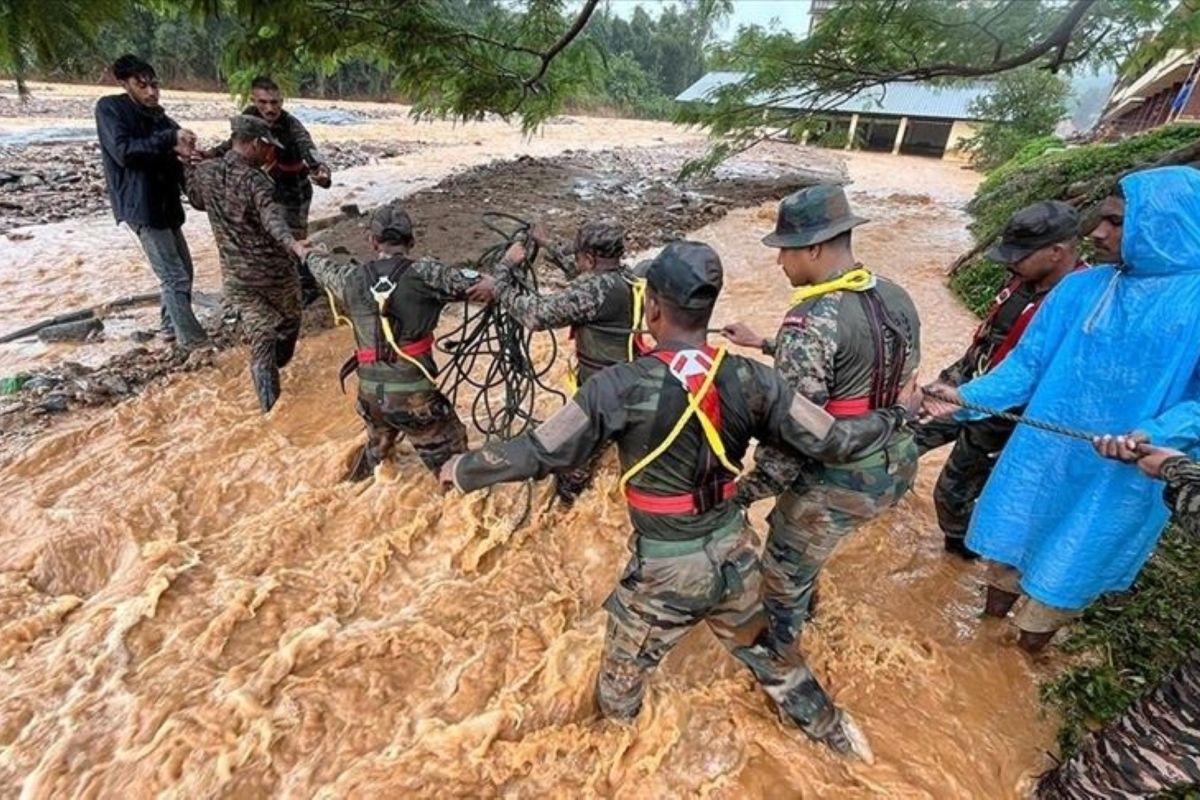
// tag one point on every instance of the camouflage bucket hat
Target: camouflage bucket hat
(1034, 227)
(254, 128)
(601, 239)
(811, 216)
(686, 274)
(391, 223)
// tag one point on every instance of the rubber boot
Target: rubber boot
(999, 602)
(1032, 642)
(266, 384)
(957, 545)
(362, 468)
(847, 738)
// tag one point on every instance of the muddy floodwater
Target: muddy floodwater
(192, 605)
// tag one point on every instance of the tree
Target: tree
(1023, 105)
(31, 33)
(869, 43)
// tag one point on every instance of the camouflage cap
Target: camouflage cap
(602, 239)
(391, 223)
(251, 127)
(811, 216)
(686, 274)
(1034, 227)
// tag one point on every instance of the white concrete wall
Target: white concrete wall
(959, 131)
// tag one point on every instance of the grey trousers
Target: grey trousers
(171, 261)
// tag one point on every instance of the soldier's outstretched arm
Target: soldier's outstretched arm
(593, 416)
(262, 192)
(450, 282)
(329, 273)
(193, 186)
(791, 420)
(577, 304)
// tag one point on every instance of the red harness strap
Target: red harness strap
(675, 503)
(849, 406)
(416, 349)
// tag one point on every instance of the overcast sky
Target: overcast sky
(792, 15)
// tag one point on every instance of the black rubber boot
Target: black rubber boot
(847, 739)
(266, 384)
(957, 545)
(999, 602)
(362, 468)
(1032, 642)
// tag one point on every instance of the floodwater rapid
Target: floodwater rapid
(194, 606)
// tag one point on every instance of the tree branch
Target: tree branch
(581, 21)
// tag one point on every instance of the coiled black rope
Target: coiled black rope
(492, 353)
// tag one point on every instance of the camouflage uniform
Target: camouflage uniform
(697, 564)
(257, 267)
(826, 349)
(395, 396)
(977, 443)
(598, 308)
(296, 157)
(1154, 746)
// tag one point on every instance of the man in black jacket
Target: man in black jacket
(141, 148)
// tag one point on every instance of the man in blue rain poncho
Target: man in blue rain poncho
(1115, 349)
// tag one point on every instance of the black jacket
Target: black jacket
(143, 174)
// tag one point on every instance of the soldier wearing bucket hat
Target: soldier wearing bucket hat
(257, 248)
(682, 418)
(850, 343)
(1039, 246)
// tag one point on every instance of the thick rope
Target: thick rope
(1019, 419)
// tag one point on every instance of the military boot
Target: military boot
(362, 468)
(846, 738)
(957, 545)
(266, 384)
(999, 602)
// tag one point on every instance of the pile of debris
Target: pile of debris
(50, 183)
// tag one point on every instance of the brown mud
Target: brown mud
(635, 186)
(195, 607)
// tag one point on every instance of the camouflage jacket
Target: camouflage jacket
(1005, 310)
(423, 288)
(597, 306)
(637, 404)
(253, 238)
(825, 350)
(1183, 492)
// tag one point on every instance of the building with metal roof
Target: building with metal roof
(909, 118)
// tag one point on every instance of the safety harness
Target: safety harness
(381, 288)
(635, 342)
(889, 352)
(696, 370)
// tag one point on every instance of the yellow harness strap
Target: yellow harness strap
(693, 408)
(639, 301)
(858, 279)
(391, 340)
(338, 319)
(571, 379)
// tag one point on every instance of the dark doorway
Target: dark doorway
(877, 135)
(926, 137)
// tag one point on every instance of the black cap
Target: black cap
(391, 223)
(811, 216)
(604, 239)
(1034, 227)
(687, 275)
(252, 127)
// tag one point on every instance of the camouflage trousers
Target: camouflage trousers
(670, 587)
(812, 518)
(271, 325)
(1152, 748)
(425, 417)
(977, 445)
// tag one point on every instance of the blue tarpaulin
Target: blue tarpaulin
(1112, 349)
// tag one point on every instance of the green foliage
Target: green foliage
(1130, 641)
(32, 33)
(1050, 176)
(1022, 106)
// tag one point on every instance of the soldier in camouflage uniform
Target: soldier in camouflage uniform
(297, 165)
(256, 248)
(599, 307)
(393, 304)
(1154, 747)
(1040, 247)
(850, 343)
(682, 417)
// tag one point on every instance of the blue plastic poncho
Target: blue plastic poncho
(1111, 350)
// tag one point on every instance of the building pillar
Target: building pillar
(853, 128)
(900, 131)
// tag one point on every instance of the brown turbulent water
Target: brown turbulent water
(193, 606)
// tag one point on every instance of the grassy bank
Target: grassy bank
(1078, 172)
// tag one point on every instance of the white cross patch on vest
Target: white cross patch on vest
(689, 364)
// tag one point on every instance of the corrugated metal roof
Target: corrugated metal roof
(892, 99)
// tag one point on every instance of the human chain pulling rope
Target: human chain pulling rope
(1049, 427)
